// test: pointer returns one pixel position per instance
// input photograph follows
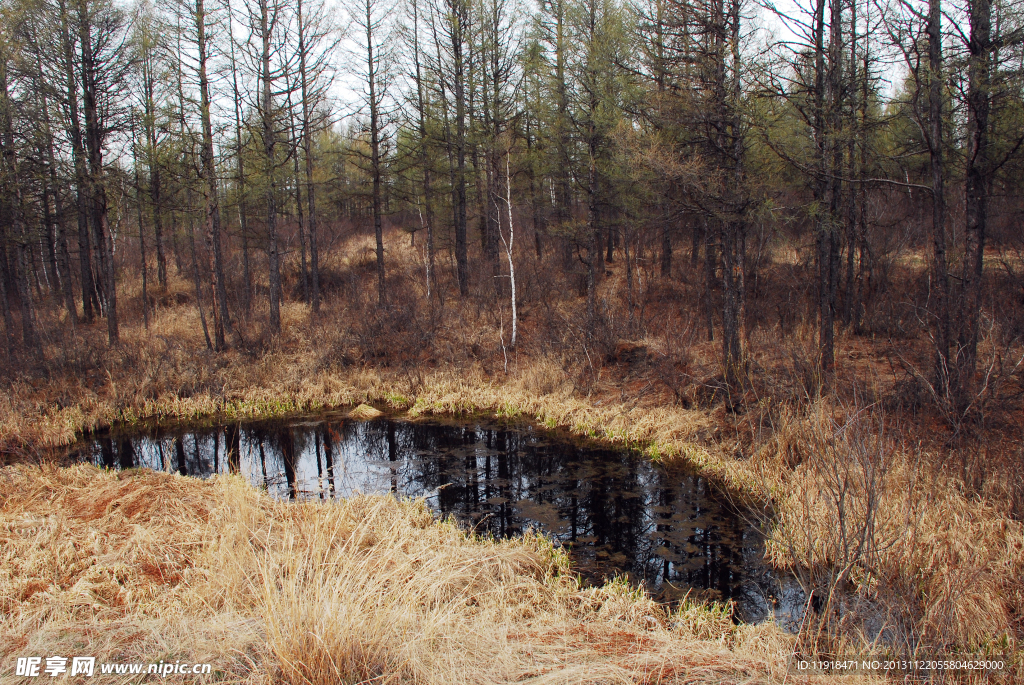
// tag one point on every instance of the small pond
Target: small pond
(616, 512)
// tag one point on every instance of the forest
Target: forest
(778, 241)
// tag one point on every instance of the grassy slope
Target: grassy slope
(147, 566)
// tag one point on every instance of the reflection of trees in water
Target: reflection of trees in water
(346, 449)
(392, 455)
(618, 512)
(614, 505)
(327, 434)
(233, 443)
(275, 450)
(504, 481)
(257, 453)
(126, 458)
(286, 447)
(114, 454)
(179, 450)
(624, 514)
(319, 462)
(699, 540)
(417, 457)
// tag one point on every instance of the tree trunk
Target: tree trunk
(563, 200)
(459, 21)
(299, 210)
(197, 280)
(593, 245)
(863, 249)
(535, 200)
(142, 232)
(221, 318)
(307, 141)
(977, 182)
(940, 274)
(425, 162)
(492, 160)
(375, 161)
(97, 187)
(149, 85)
(21, 278)
(10, 186)
(5, 301)
(733, 235)
(62, 258)
(81, 176)
(824, 191)
(666, 252)
(243, 225)
(849, 197)
(50, 270)
(710, 266)
(269, 151)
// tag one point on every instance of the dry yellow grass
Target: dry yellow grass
(956, 562)
(155, 566)
(143, 566)
(882, 524)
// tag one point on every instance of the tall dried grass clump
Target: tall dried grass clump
(144, 566)
(891, 551)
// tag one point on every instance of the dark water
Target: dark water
(616, 512)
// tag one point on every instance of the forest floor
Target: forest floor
(909, 532)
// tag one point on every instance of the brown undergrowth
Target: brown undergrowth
(903, 537)
(896, 554)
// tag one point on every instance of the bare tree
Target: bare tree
(449, 24)
(371, 17)
(40, 49)
(731, 146)
(198, 22)
(222, 320)
(148, 45)
(317, 39)
(935, 143)
(267, 20)
(509, 245)
(186, 139)
(420, 100)
(69, 67)
(101, 39)
(809, 76)
(500, 44)
(13, 230)
(136, 145)
(243, 214)
(267, 59)
(554, 34)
